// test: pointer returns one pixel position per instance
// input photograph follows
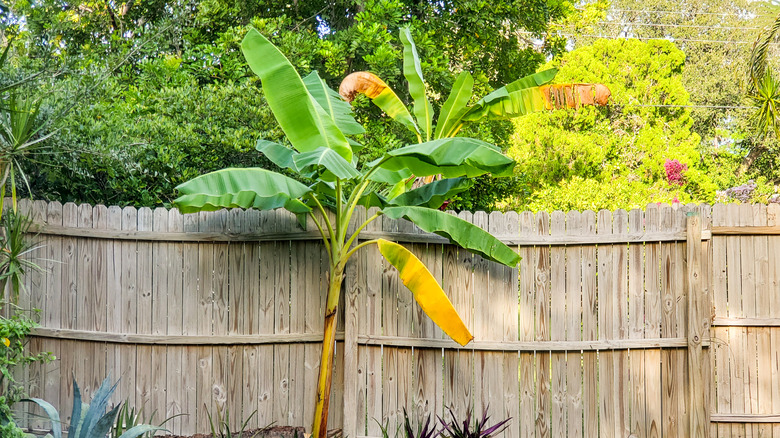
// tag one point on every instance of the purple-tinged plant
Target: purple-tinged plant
(674, 172)
(426, 430)
(479, 430)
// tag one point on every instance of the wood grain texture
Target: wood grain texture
(196, 325)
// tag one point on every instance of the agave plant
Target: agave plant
(317, 122)
(90, 420)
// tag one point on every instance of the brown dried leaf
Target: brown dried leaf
(361, 82)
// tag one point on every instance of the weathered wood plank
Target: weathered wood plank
(373, 325)
(573, 321)
(653, 311)
(526, 327)
(558, 326)
(720, 351)
(84, 353)
(236, 324)
(773, 219)
(220, 287)
(354, 279)
(112, 293)
(191, 305)
(636, 329)
(266, 322)
(737, 338)
(52, 317)
(204, 373)
(158, 360)
(389, 389)
(506, 279)
(621, 368)
(607, 295)
(590, 332)
(542, 328)
(697, 315)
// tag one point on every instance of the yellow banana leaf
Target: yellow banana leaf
(426, 290)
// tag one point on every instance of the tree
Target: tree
(614, 157)
(317, 122)
(187, 52)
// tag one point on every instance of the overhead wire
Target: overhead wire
(670, 39)
(691, 26)
(722, 14)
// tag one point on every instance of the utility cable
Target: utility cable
(692, 26)
(721, 14)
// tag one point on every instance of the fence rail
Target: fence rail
(655, 322)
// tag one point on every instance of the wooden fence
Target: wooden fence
(606, 329)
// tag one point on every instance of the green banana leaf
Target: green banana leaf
(423, 110)
(432, 195)
(455, 106)
(372, 199)
(460, 232)
(305, 122)
(330, 160)
(333, 104)
(509, 101)
(515, 104)
(450, 157)
(282, 156)
(241, 188)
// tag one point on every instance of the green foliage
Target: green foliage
(140, 76)
(13, 341)
(14, 258)
(134, 146)
(335, 183)
(129, 417)
(221, 429)
(90, 420)
(614, 157)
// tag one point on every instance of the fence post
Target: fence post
(697, 314)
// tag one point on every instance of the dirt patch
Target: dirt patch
(272, 432)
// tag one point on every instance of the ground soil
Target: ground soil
(272, 432)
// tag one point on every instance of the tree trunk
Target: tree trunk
(320, 426)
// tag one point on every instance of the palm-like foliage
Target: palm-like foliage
(317, 123)
(763, 90)
(524, 96)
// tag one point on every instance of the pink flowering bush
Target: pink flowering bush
(674, 172)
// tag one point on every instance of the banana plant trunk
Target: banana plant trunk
(320, 426)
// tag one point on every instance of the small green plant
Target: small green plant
(15, 247)
(480, 429)
(128, 418)
(385, 432)
(90, 420)
(13, 339)
(222, 428)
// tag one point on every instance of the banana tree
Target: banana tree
(317, 123)
(523, 96)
